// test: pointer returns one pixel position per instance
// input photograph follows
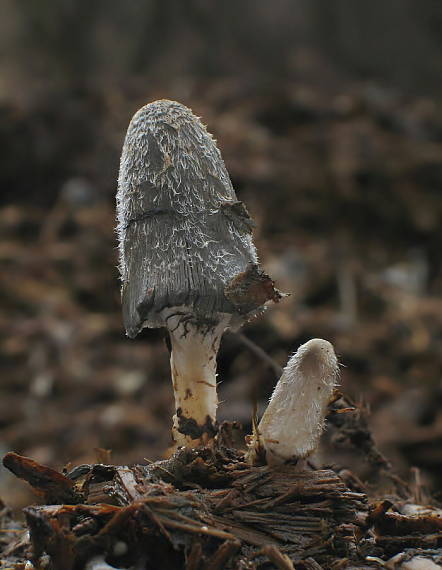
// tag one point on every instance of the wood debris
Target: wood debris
(207, 508)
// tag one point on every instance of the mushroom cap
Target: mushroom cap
(294, 419)
(183, 235)
(315, 359)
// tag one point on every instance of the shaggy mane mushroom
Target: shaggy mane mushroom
(294, 419)
(187, 260)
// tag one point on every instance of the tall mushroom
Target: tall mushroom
(187, 260)
(293, 422)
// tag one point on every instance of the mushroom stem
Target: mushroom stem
(293, 422)
(193, 367)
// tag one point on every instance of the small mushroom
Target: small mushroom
(293, 422)
(187, 260)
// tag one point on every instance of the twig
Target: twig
(197, 529)
(311, 564)
(282, 561)
(225, 551)
(195, 555)
(156, 520)
(260, 353)
(16, 530)
(226, 501)
(248, 504)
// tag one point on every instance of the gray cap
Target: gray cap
(185, 240)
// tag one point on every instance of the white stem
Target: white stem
(294, 419)
(193, 367)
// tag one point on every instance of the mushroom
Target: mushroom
(293, 422)
(187, 260)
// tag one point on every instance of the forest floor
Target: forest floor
(344, 186)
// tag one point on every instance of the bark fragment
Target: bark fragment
(52, 485)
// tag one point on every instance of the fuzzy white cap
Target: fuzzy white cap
(294, 419)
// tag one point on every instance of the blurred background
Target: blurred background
(329, 118)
